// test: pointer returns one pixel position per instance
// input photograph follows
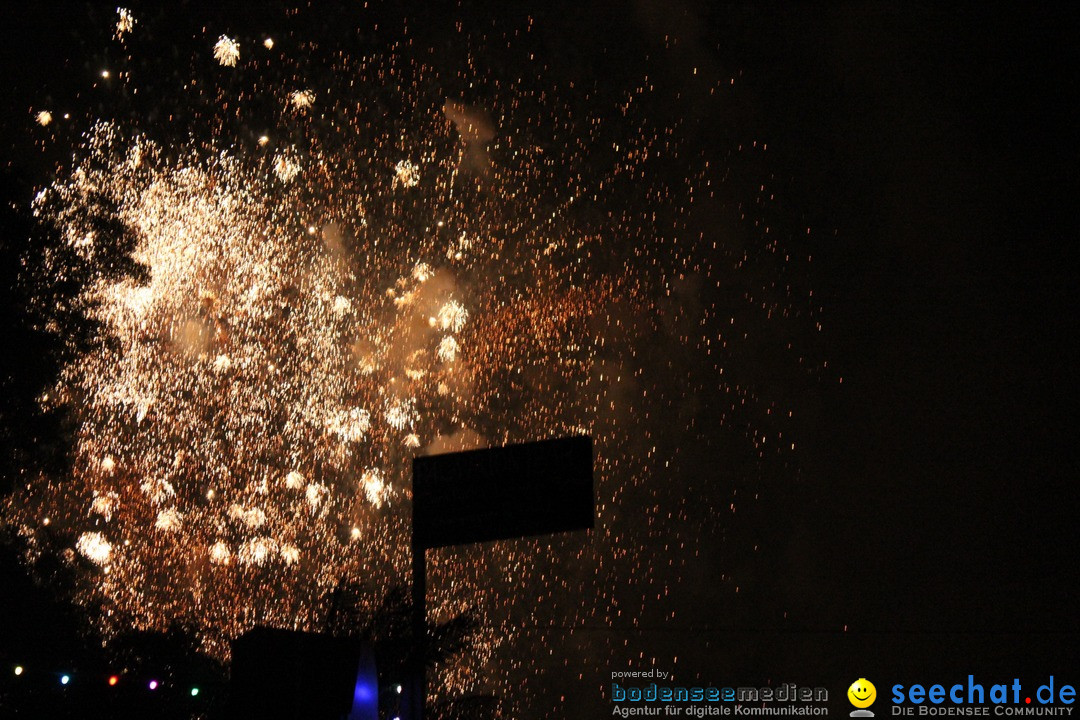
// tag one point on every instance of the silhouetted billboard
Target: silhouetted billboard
(503, 492)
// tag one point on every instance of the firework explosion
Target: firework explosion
(313, 305)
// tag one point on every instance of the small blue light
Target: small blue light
(365, 705)
(65, 679)
(363, 693)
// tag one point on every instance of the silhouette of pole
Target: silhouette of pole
(498, 493)
(419, 629)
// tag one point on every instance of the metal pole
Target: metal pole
(419, 628)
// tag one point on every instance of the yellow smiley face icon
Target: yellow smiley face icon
(862, 693)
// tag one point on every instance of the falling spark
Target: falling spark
(169, 520)
(401, 414)
(458, 249)
(125, 22)
(342, 305)
(452, 316)
(257, 551)
(422, 272)
(448, 349)
(406, 174)
(301, 99)
(374, 487)
(220, 553)
(105, 505)
(158, 491)
(350, 425)
(226, 51)
(315, 495)
(286, 167)
(94, 547)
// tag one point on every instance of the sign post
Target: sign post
(499, 493)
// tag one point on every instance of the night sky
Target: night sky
(921, 331)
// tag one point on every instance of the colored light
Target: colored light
(363, 693)
(18, 669)
(65, 679)
(194, 691)
(153, 684)
(113, 679)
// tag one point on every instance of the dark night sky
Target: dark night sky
(931, 150)
(937, 151)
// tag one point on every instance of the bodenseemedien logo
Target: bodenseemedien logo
(862, 694)
(664, 696)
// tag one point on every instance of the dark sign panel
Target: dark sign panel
(503, 492)
(290, 674)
